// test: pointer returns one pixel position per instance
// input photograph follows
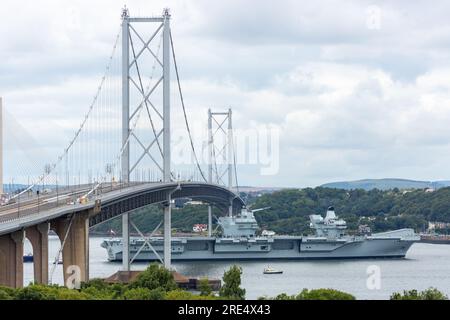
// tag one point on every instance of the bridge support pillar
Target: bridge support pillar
(209, 221)
(73, 233)
(38, 236)
(11, 259)
(168, 236)
(126, 241)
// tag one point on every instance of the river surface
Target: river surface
(426, 265)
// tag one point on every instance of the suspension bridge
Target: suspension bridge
(118, 161)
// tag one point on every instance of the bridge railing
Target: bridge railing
(33, 203)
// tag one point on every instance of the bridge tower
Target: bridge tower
(222, 149)
(163, 28)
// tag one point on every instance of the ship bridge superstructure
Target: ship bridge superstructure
(330, 227)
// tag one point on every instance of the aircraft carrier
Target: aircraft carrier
(239, 241)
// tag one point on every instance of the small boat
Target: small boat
(270, 270)
(28, 257)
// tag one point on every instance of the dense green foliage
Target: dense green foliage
(144, 294)
(6, 293)
(155, 277)
(43, 292)
(183, 219)
(381, 210)
(156, 283)
(231, 287)
(429, 294)
(324, 294)
(186, 295)
(314, 294)
(204, 287)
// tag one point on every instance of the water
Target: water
(426, 265)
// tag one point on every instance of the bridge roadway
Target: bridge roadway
(30, 208)
(30, 212)
(29, 203)
(33, 218)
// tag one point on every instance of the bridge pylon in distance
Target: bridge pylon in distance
(220, 149)
(136, 47)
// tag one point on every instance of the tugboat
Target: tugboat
(270, 270)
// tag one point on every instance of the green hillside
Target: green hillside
(290, 209)
(381, 210)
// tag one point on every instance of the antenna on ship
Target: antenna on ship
(260, 209)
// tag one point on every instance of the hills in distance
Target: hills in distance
(365, 184)
(387, 184)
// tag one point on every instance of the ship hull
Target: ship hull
(280, 248)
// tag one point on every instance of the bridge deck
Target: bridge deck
(30, 212)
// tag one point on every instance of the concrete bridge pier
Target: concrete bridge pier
(38, 236)
(73, 233)
(11, 259)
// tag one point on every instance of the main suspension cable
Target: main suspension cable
(83, 123)
(184, 110)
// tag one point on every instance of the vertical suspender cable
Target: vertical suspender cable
(184, 110)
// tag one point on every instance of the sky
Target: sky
(352, 89)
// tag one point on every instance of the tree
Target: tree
(144, 294)
(155, 276)
(137, 294)
(98, 289)
(52, 292)
(428, 294)
(231, 284)
(284, 296)
(204, 287)
(6, 293)
(179, 295)
(95, 283)
(324, 294)
(433, 294)
(315, 294)
(35, 292)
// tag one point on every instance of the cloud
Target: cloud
(350, 101)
